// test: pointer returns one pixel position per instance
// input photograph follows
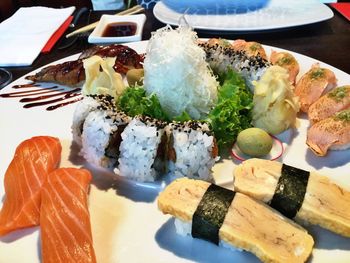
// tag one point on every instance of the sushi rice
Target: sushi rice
(184, 228)
(139, 158)
(98, 130)
(193, 146)
(84, 107)
(82, 110)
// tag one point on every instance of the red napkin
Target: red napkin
(56, 36)
(342, 8)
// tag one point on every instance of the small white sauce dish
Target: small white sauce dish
(96, 37)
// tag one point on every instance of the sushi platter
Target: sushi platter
(126, 223)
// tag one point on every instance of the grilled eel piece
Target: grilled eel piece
(72, 73)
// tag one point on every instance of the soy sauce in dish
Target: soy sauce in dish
(120, 29)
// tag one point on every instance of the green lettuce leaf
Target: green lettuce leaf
(232, 113)
(134, 101)
(183, 117)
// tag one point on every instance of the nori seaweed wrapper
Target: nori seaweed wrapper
(211, 212)
(290, 191)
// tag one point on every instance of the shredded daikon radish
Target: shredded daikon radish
(176, 71)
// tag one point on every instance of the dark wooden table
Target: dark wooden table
(327, 41)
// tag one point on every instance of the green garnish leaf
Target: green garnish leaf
(232, 113)
(343, 115)
(317, 73)
(285, 61)
(183, 117)
(134, 101)
(255, 47)
(339, 93)
(224, 42)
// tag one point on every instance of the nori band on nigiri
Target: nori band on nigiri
(290, 191)
(211, 212)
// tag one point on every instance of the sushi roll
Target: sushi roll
(84, 107)
(192, 150)
(143, 150)
(230, 219)
(101, 137)
(220, 57)
(298, 194)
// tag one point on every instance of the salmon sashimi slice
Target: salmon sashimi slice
(332, 133)
(34, 159)
(64, 219)
(286, 61)
(251, 48)
(313, 84)
(336, 100)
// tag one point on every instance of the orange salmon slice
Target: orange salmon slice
(34, 159)
(64, 219)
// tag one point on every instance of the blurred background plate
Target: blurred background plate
(276, 14)
(215, 7)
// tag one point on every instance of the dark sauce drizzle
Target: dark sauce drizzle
(30, 85)
(45, 93)
(59, 105)
(26, 93)
(50, 96)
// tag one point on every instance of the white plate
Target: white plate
(277, 14)
(126, 224)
